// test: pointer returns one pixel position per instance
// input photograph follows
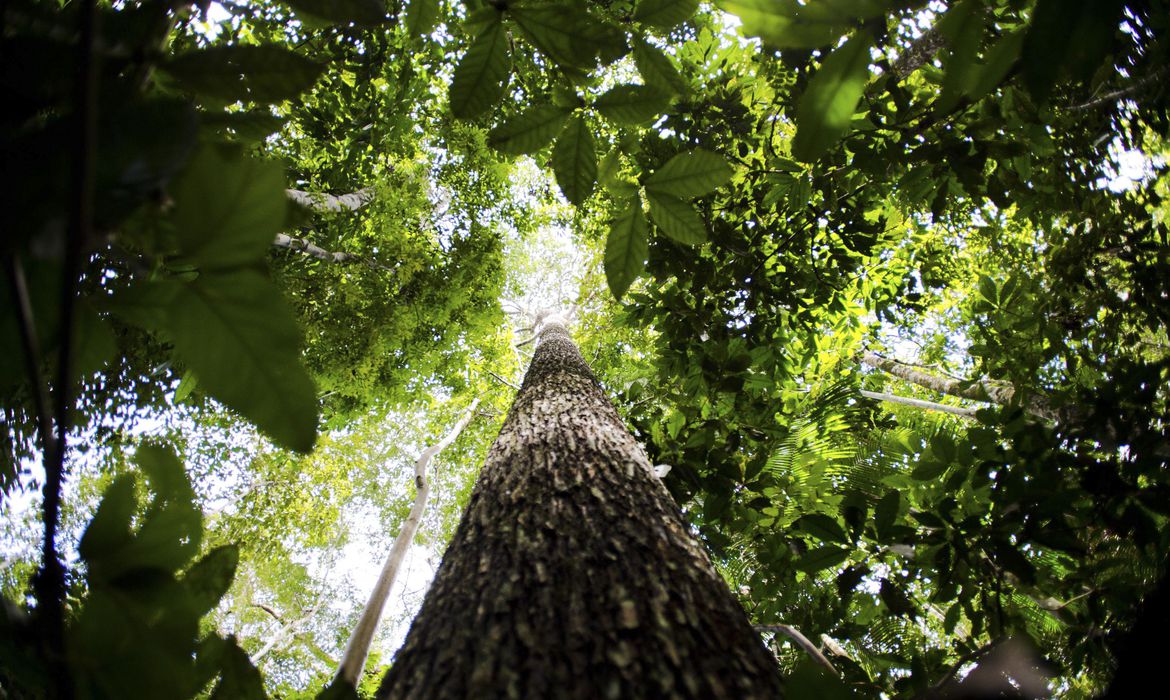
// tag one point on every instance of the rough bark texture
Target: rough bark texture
(572, 573)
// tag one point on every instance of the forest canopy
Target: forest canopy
(884, 283)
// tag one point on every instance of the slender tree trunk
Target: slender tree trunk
(994, 392)
(572, 573)
(919, 403)
(358, 648)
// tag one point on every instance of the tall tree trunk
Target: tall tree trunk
(572, 573)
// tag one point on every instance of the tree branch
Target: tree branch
(358, 648)
(801, 641)
(920, 403)
(321, 202)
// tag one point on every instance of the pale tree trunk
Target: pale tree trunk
(358, 648)
(572, 573)
(994, 392)
(919, 403)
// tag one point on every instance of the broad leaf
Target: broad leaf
(422, 16)
(482, 74)
(363, 12)
(632, 104)
(566, 33)
(782, 26)
(626, 249)
(664, 14)
(822, 527)
(228, 211)
(825, 110)
(690, 174)
(657, 70)
(574, 161)
(109, 530)
(676, 218)
(209, 578)
(246, 73)
(530, 131)
(821, 558)
(239, 336)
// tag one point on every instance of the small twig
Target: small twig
(802, 642)
(1123, 92)
(501, 380)
(525, 342)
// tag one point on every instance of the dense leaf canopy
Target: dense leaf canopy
(292, 240)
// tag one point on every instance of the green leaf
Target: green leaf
(422, 16)
(248, 126)
(167, 477)
(664, 14)
(626, 249)
(781, 25)
(209, 578)
(822, 527)
(483, 73)
(885, 513)
(1000, 60)
(566, 33)
(186, 385)
(574, 161)
(239, 679)
(821, 558)
(530, 131)
(963, 26)
(109, 530)
(676, 218)
(1068, 38)
(657, 70)
(228, 211)
(690, 174)
(825, 111)
(367, 13)
(239, 336)
(246, 73)
(632, 104)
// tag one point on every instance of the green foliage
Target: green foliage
(845, 175)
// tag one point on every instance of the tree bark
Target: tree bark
(572, 573)
(993, 392)
(350, 669)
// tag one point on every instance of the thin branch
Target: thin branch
(1136, 87)
(358, 648)
(920, 403)
(802, 642)
(30, 344)
(501, 380)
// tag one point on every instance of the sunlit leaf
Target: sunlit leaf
(690, 174)
(632, 104)
(676, 218)
(482, 75)
(530, 131)
(574, 161)
(626, 248)
(825, 111)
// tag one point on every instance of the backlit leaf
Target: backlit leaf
(243, 72)
(574, 161)
(626, 248)
(676, 218)
(530, 131)
(483, 73)
(690, 174)
(825, 110)
(632, 104)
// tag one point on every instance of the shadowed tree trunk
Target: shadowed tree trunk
(572, 573)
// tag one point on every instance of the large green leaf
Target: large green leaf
(530, 131)
(242, 72)
(421, 16)
(209, 578)
(825, 110)
(664, 14)
(228, 210)
(626, 248)
(565, 33)
(362, 12)
(1068, 38)
(782, 24)
(239, 336)
(632, 104)
(821, 558)
(482, 74)
(109, 530)
(574, 161)
(657, 70)
(676, 218)
(822, 527)
(690, 174)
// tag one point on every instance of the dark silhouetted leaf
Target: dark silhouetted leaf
(482, 74)
(242, 72)
(626, 248)
(574, 161)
